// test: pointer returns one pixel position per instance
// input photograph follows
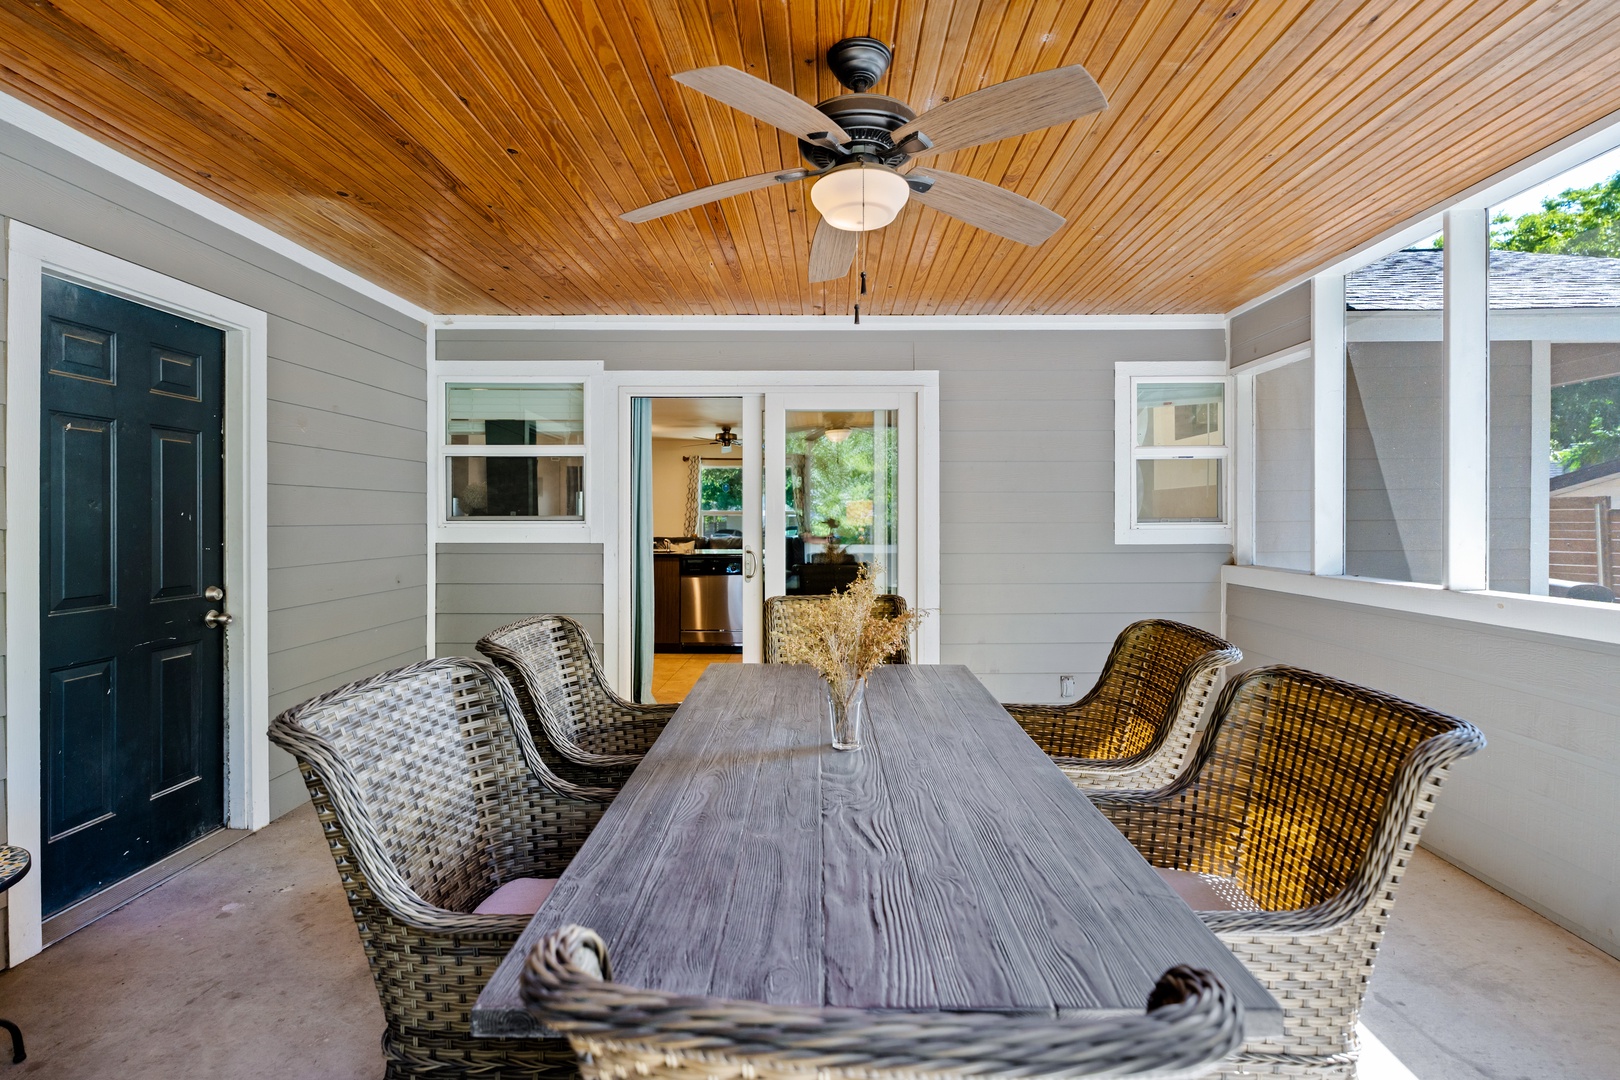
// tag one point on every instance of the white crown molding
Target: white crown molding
(29, 119)
(870, 323)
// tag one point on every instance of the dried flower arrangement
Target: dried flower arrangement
(844, 638)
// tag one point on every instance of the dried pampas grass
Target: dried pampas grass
(843, 638)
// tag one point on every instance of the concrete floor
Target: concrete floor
(247, 965)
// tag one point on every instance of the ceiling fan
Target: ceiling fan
(857, 145)
(725, 439)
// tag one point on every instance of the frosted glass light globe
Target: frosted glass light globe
(859, 197)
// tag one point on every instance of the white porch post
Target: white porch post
(1466, 383)
(1328, 468)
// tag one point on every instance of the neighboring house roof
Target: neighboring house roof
(1577, 477)
(1410, 281)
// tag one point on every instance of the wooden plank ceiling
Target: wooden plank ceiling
(473, 155)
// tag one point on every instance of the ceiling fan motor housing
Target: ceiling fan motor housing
(868, 119)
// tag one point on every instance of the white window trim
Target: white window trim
(1245, 495)
(519, 531)
(1126, 453)
(247, 697)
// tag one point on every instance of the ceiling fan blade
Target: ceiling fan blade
(986, 206)
(713, 193)
(1006, 109)
(763, 101)
(831, 252)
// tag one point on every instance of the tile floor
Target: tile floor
(674, 674)
(247, 966)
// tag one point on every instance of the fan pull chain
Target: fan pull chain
(860, 246)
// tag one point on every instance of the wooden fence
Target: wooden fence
(1582, 533)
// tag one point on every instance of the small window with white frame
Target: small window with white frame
(514, 452)
(1173, 453)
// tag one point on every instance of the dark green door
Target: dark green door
(131, 536)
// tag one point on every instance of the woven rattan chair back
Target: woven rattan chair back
(431, 794)
(573, 714)
(1134, 728)
(1300, 775)
(1308, 795)
(783, 614)
(622, 1033)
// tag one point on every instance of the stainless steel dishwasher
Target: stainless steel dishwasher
(711, 600)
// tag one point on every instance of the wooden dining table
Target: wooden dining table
(945, 865)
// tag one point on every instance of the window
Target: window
(1172, 465)
(514, 452)
(720, 500)
(1554, 288)
(1394, 418)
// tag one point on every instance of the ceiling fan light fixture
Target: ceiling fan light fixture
(859, 197)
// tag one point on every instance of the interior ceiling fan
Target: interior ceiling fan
(860, 148)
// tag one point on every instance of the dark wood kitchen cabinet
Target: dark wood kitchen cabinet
(666, 602)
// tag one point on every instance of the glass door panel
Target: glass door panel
(839, 492)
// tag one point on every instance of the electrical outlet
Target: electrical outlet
(1066, 686)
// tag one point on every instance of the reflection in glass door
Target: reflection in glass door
(840, 476)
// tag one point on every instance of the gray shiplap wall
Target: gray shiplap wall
(1535, 813)
(347, 425)
(1283, 459)
(1273, 326)
(483, 586)
(1032, 583)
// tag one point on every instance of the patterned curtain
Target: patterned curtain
(694, 493)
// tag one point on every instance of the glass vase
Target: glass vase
(844, 715)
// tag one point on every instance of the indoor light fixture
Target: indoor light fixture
(836, 434)
(859, 197)
(726, 438)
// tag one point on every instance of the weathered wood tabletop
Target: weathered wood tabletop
(947, 864)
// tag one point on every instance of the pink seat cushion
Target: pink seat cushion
(520, 896)
(1206, 893)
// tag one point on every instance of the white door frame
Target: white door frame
(31, 253)
(623, 385)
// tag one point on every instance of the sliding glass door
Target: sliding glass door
(840, 491)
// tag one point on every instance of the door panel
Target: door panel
(176, 542)
(79, 719)
(80, 513)
(840, 483)
(79, 352)
(132, 531)
(175, 676)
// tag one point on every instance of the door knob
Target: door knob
(213, 594)
(215, 619)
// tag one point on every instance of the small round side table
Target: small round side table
(14, 864)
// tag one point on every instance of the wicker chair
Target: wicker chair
(584, 730)
(782, 617)
(432, 795)
(1135, 727)
(1299, 811)
(622, 1033)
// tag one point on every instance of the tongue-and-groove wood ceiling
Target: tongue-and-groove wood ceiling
(473, 155)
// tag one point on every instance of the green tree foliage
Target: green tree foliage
(721, 487)
(1579, 221)
(1586, 423)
